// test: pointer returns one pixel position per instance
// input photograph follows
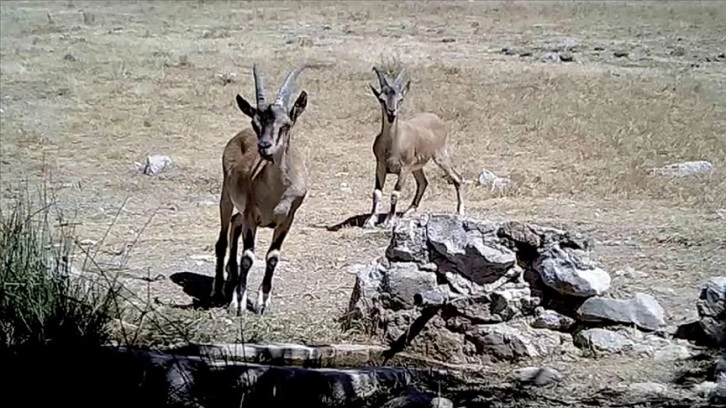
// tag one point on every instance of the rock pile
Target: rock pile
(474, 291)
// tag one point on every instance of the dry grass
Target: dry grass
(97, 86)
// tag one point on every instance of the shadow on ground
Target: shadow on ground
(358, 221)
(196, 285)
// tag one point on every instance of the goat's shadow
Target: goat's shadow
(199, 287)
(358, 221)
(196, 285)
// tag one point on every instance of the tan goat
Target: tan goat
(404, 147)
(266, 181)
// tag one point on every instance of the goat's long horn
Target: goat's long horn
(283, 95)
(259, 86)
(399, 81)
(382, 81)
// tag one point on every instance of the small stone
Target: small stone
(550, 57)
(525, 54)
(642, 310)
(599, 48)
(602, 340)
(155, 164)
(448, 40)
(539, 376)
(631, 273)
(566, 57)
(620, 54)
(69, 57)
(684, 169)
(549, 319)
(705, 389)
(648, 388)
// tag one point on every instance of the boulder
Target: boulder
(602, 340)
(566, 271)
(642, 310)
(711, 308)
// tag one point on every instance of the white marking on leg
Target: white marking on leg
(248, 254)
(263, 299)
(234, 304)
(394, 198)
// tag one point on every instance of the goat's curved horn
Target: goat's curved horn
(259, 86)
(283, 95)
(382, 81)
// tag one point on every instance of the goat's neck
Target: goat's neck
(388, 130)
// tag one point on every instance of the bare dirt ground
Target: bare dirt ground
(83, 98)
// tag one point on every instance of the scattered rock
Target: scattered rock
(505, 342)
(491, 180)
(69, 57)
(711, 308)
(685, 169)
(448, 40)
(525, 54)
(550, 57)
(648, 388)
(599, 48)
(620, 54)
(568, 272)
(539, 376)
(549, 319)
(721, 56)
(602, 340)
(678, 52)
(642, 310)
(673, 352)
(510, 51)
(566, 57)
(155, 164)
(631, 273)
(705, 389)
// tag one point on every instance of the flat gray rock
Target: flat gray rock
(539, 376)
(601, 340)
(642, 310)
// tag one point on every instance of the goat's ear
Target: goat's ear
(245, 107)
(299, 107)
(375, 91)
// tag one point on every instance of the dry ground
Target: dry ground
(82, 99)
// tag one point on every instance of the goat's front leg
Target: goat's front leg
(239, 296)
(235, 232)
(273, 257)
(377, 195)
(395, 195)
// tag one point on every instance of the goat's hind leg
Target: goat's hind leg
(421, 184)
(232, 266)
(220, 248)
(443, 160)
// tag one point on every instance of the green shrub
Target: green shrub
(42, 303)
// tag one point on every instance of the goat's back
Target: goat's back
(420, 137)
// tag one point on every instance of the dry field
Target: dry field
(83, 98)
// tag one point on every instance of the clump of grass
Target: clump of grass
(44, 302)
